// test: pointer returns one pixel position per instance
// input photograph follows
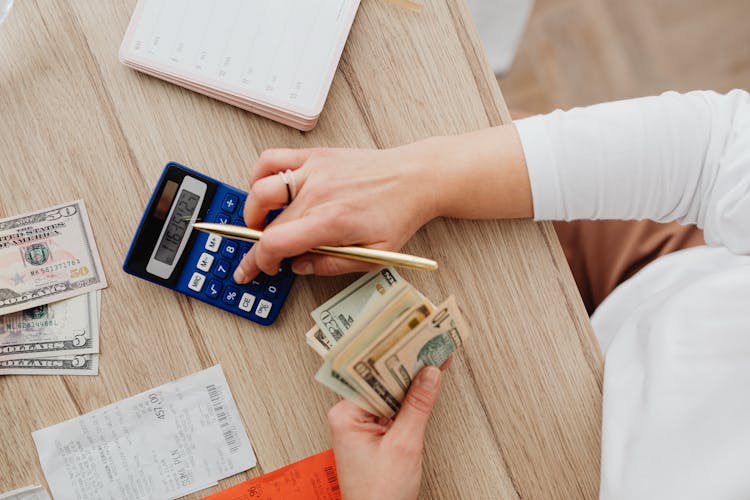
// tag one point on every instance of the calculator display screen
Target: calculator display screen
(178, 224)
(172, 214)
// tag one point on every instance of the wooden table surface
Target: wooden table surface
(519, 414)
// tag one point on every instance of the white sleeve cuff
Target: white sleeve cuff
(542, 167)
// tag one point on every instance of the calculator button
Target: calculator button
(230, 203)
(205, 261)
(231, 295)
(222, 219)
(257, 282)
(229, 249)
(247, 301)
(213, 242)
(196, 282)
(222, 269)
(263, 309)
(213, 289)
(238, 222)
(241, 206)
(272, 290)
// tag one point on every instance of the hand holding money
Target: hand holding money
(377, 334)
(381, 459)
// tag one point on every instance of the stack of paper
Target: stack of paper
(275, 58)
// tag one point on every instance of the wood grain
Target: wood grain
(519, 414)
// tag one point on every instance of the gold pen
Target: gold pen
(382, 257)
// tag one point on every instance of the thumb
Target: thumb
(415, 411)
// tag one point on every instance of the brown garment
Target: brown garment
(603, 254)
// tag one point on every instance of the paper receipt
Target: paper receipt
(26, 493)
(164, 443)
(311, 478)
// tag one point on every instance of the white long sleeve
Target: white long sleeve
(676, 336)
(683, 157)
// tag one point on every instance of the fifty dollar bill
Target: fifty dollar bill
(47, 256)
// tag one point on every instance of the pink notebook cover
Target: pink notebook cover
(276, 58)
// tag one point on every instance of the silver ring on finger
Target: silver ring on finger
(290, 181)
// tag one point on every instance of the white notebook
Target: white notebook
(275, 58)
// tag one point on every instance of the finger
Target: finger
(447, 363)
(288, 238)
(273, 161)
(324, 265)
(415, 411)
(266, 194)
(247, 268)
(266, 255)
(345, 416)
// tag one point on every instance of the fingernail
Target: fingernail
(239, 276)
(429, 377)
(302, 267)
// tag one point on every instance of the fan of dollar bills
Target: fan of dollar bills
(376, 334)
(50, 293)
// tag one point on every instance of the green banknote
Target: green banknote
(336, 316)
(47, 256)
(430, 344)
(361, 366)
(382, 332)
(63, 328)
(345, 387)
(83, 364)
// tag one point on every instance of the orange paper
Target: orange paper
(312, 478)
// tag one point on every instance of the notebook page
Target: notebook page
(281, 53)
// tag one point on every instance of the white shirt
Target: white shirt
(676, 336)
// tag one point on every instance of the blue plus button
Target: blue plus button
(230, 203)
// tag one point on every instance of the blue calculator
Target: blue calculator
(167, 251)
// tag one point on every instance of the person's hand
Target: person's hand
(378, 198)
(345, 197)
(379, 458)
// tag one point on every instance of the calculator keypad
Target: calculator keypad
(213, 262)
